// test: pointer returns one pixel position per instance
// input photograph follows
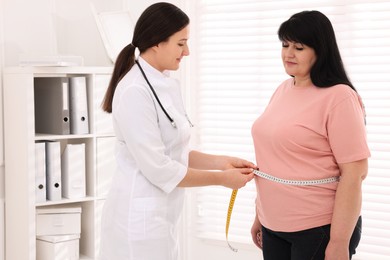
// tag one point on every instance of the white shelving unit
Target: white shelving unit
(20, 136)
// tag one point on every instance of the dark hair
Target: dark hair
(155, 25)
(314, 29)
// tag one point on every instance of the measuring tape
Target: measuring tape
(230, 209)
(274, 179)
(294, 182)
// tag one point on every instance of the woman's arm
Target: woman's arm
(347, 208)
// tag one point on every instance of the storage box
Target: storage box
(58, 221)
(65, 247)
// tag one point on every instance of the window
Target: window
(238, 66)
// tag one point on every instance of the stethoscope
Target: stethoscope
(173, 123)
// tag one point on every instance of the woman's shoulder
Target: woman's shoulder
(342, 88)
(131, 90)
(285, 85)
(340, 92)
(132, 82)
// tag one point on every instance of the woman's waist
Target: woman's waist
(298, 179)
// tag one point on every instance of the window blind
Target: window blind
(238, 66)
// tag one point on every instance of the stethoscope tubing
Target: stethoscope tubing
(155, 95)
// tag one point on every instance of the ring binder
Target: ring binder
(52, 105)
(40, 172)
(73, 171)
(78, 105)
(53, 170)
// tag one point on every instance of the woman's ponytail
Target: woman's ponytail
(124, 62)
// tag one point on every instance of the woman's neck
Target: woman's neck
(302, 82)
(149, 58)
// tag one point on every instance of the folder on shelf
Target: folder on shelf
(40, 172)
(53, 170)
(78, 105)
(73, 171)
(51, 100)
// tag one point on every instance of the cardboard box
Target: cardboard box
(65, 247)
(58, 221)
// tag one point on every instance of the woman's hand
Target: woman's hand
(337, 251)
(256, 233)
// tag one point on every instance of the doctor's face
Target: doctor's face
(170, 52)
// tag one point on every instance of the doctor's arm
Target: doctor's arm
(199, 160)
(234, 172)
(231, 178)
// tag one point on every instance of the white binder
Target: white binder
(78, 105)
(51, 105)
(40, 172)
(53, 170)
(73, 171)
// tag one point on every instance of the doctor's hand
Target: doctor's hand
(228, 162)
(237, 178)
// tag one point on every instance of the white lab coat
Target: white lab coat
(141, 213)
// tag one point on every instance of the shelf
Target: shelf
(64, 201)
(41, 137)
(19, 145)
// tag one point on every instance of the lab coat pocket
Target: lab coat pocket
(148, 218)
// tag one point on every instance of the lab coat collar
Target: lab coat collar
(151, 70)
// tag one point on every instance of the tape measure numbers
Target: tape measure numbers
(295, 182)
(274, 179)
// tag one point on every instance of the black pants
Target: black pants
(307, 244)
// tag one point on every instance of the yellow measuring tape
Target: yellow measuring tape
(229, 215)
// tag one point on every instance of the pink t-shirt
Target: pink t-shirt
(302, 135)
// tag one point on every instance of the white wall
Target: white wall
(2, 224)
(61, 27)
(51, 27)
